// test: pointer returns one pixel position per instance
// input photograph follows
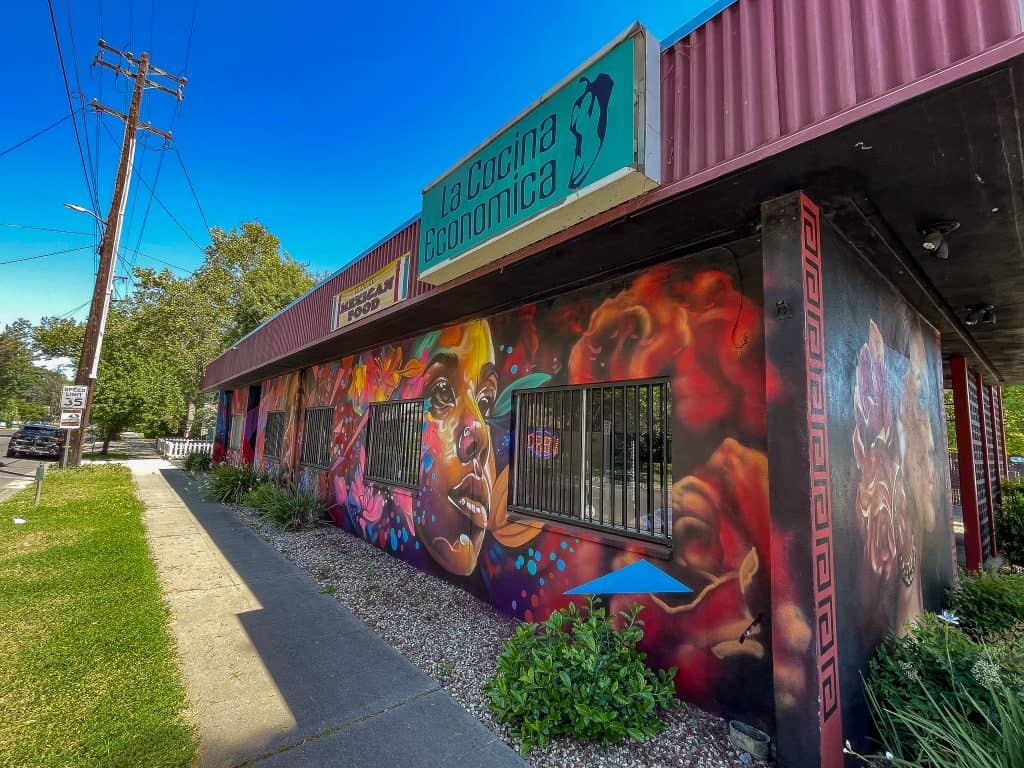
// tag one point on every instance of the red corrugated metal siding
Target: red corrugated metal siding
(764, 69)
(309, 320)
(760, 71)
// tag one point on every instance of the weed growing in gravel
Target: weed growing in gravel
(288, 507)
(230, 484)
(577, 675)
(447, 669)
(370, 571)
(328, 589)
(198, 462)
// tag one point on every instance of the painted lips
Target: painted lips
(472, 498)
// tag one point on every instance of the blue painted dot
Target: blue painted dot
(513, 605)
(530, 551)
(532, 567)
(561, 565)
(393, 540)
(536, 555)
(519, 562)
(514, 369)
(405, 535)
(433, 475)
(433, 518)
(552, 556)
(417, 545)
(564, 545)
(542, 581)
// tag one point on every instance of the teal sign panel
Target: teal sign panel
(581, 133)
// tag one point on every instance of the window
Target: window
(273, 435)
(316, 438)
(597, 455)
(394, 438)
(235, 426)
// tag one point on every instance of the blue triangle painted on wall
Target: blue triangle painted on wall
(636, 578)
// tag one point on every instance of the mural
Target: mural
(688, 321)
(890, 485)
(279, 394)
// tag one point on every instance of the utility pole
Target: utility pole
(89, 361)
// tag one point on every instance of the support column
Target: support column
(221, 432)
(809, 733)
(965, 450)
(988, 475)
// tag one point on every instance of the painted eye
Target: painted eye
(442, 393)
(485, 402)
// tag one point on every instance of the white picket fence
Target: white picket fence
(179, 447)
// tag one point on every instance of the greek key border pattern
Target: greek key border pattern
(820, 484)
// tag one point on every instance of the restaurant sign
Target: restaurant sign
(383, 289)
(587, 145)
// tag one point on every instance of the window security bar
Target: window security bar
(273, 435)
(596, 455)
(395, 434)
(316, 438)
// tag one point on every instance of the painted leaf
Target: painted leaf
(503, 405)
(508, 534)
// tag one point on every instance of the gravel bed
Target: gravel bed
(456, 638)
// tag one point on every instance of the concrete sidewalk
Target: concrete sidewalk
(279, 674)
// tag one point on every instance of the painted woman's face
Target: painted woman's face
(460, 386)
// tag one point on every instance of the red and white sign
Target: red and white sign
(70, 419)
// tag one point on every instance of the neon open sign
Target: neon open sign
(543, 443)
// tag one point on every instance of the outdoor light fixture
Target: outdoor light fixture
(935, 237)
(81, 209)
(980, 314)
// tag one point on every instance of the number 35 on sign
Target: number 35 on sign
(73, 396)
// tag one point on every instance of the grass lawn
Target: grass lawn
(108, 456)
(88, 671)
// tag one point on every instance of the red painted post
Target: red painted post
(965, 459)
(991, 484)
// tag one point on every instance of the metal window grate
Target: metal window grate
(235, 430)
(316, 438)
(598, 455)
(273, 435)
(394, 441)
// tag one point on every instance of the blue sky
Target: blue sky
(321, 120)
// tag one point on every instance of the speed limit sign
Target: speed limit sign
(73, 396)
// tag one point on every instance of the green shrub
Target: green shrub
(959, 731)
(198, 462)
(988, 603)
(1010, 522)
(287, 507)
(577, 675)
(919, 678)
(230, 484)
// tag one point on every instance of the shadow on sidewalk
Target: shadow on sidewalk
(353, 699)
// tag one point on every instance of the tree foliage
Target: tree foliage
(159, 340)
(1013, 414)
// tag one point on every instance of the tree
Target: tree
(59, 337)
(160, 339)
(1013, 416)
(15, 365)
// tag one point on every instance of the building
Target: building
(698, 307)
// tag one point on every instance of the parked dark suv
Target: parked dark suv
(36, 440)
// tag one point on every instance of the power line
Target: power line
(159, 201)
(188, 44)
(36, 135)
(70, 312)
(81, 103)
(71, 106)
(47, 229)
(44, 255)
(194, 193)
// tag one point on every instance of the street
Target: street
(15, 473)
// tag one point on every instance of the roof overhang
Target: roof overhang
(948, 146)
